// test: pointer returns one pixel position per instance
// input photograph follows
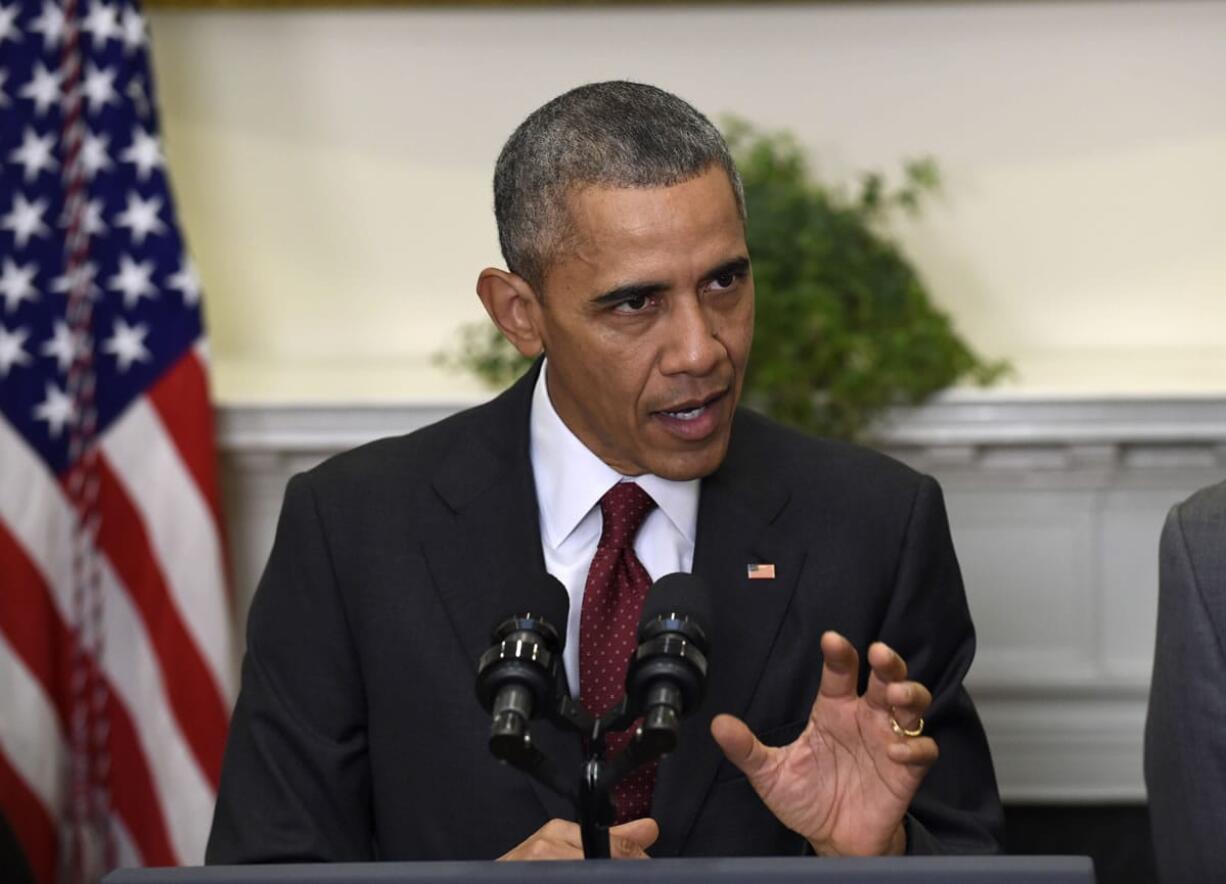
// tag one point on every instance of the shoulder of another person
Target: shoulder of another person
(1200, 523)
(1204, 511)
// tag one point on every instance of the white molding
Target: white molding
(995, 419)
(1055, 504)
(949, 420)
(302, 428)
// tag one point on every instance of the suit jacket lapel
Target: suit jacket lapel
(737, 525)
(486, 560)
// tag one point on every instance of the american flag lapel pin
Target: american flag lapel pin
(760, 571)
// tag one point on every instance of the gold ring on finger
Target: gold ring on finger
(903, 732)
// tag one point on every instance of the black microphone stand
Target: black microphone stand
(593, 799)
(523, 673)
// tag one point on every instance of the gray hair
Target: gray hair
(614, 134)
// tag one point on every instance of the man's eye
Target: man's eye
(632, 305)
(725, 280)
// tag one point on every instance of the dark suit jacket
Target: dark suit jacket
(1185, 733)
(357, 734)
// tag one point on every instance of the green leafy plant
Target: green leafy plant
(845, 327)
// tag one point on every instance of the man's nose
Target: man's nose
(693, 345)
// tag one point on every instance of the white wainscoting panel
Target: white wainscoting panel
(1056, 506)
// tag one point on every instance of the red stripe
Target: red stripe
(30, 822)
(25, 603)
(194, 696)
(31, 632)
(132, 791)
(181, 399)
(30, 623)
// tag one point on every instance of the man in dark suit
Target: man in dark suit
(1185, 740)
(357, 735)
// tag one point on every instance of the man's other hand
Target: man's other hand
(561, 839)
(848, 779)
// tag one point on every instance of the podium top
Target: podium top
(874, 870)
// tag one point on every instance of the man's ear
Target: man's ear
(514, 307)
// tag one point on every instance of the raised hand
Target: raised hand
(846, 782)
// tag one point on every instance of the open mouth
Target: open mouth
(693, 409)
(693, 420)
(687, 415)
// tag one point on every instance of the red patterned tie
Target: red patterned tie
(617, 584)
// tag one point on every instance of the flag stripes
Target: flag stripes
(28, 624)
(32, 747)
(167, 771)
(134, 793)
(192, 692)
(137, 803)
(191, 429)
(181, 532)
(126, 853)
(30, 821)
(182, 791)
(37, 761)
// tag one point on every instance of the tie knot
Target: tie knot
(623, 508)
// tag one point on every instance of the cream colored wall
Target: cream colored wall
(333, 169)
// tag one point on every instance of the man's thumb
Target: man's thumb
(739, 744)
(642, 832)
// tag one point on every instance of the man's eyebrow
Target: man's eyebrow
(630, 292)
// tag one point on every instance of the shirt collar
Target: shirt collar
(570, 479)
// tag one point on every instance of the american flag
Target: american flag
(115, 659)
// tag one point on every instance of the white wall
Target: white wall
(333, 168)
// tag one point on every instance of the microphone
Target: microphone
(518, 676)
(667, 678)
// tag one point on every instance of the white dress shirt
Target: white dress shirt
(570, 480)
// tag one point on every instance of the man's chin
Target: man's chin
(684, 466)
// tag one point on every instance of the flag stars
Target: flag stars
(56, 409)
(91, 218)
(127, 344)
(8, 23)
(133, 26)
(43, 88)
(102, 23)
(186, 282)
(63, 346)
(25, 219)
(141, 217)
(92, 222)
(145, 152)
(94, 155)
(17, 284)
(36, 154)
(134, 281)
(99, 87)
(4, 98)
(50, 24)
(139, 96)
(81, 276)
(12, 349)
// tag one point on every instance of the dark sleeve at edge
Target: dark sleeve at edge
(295, 783)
